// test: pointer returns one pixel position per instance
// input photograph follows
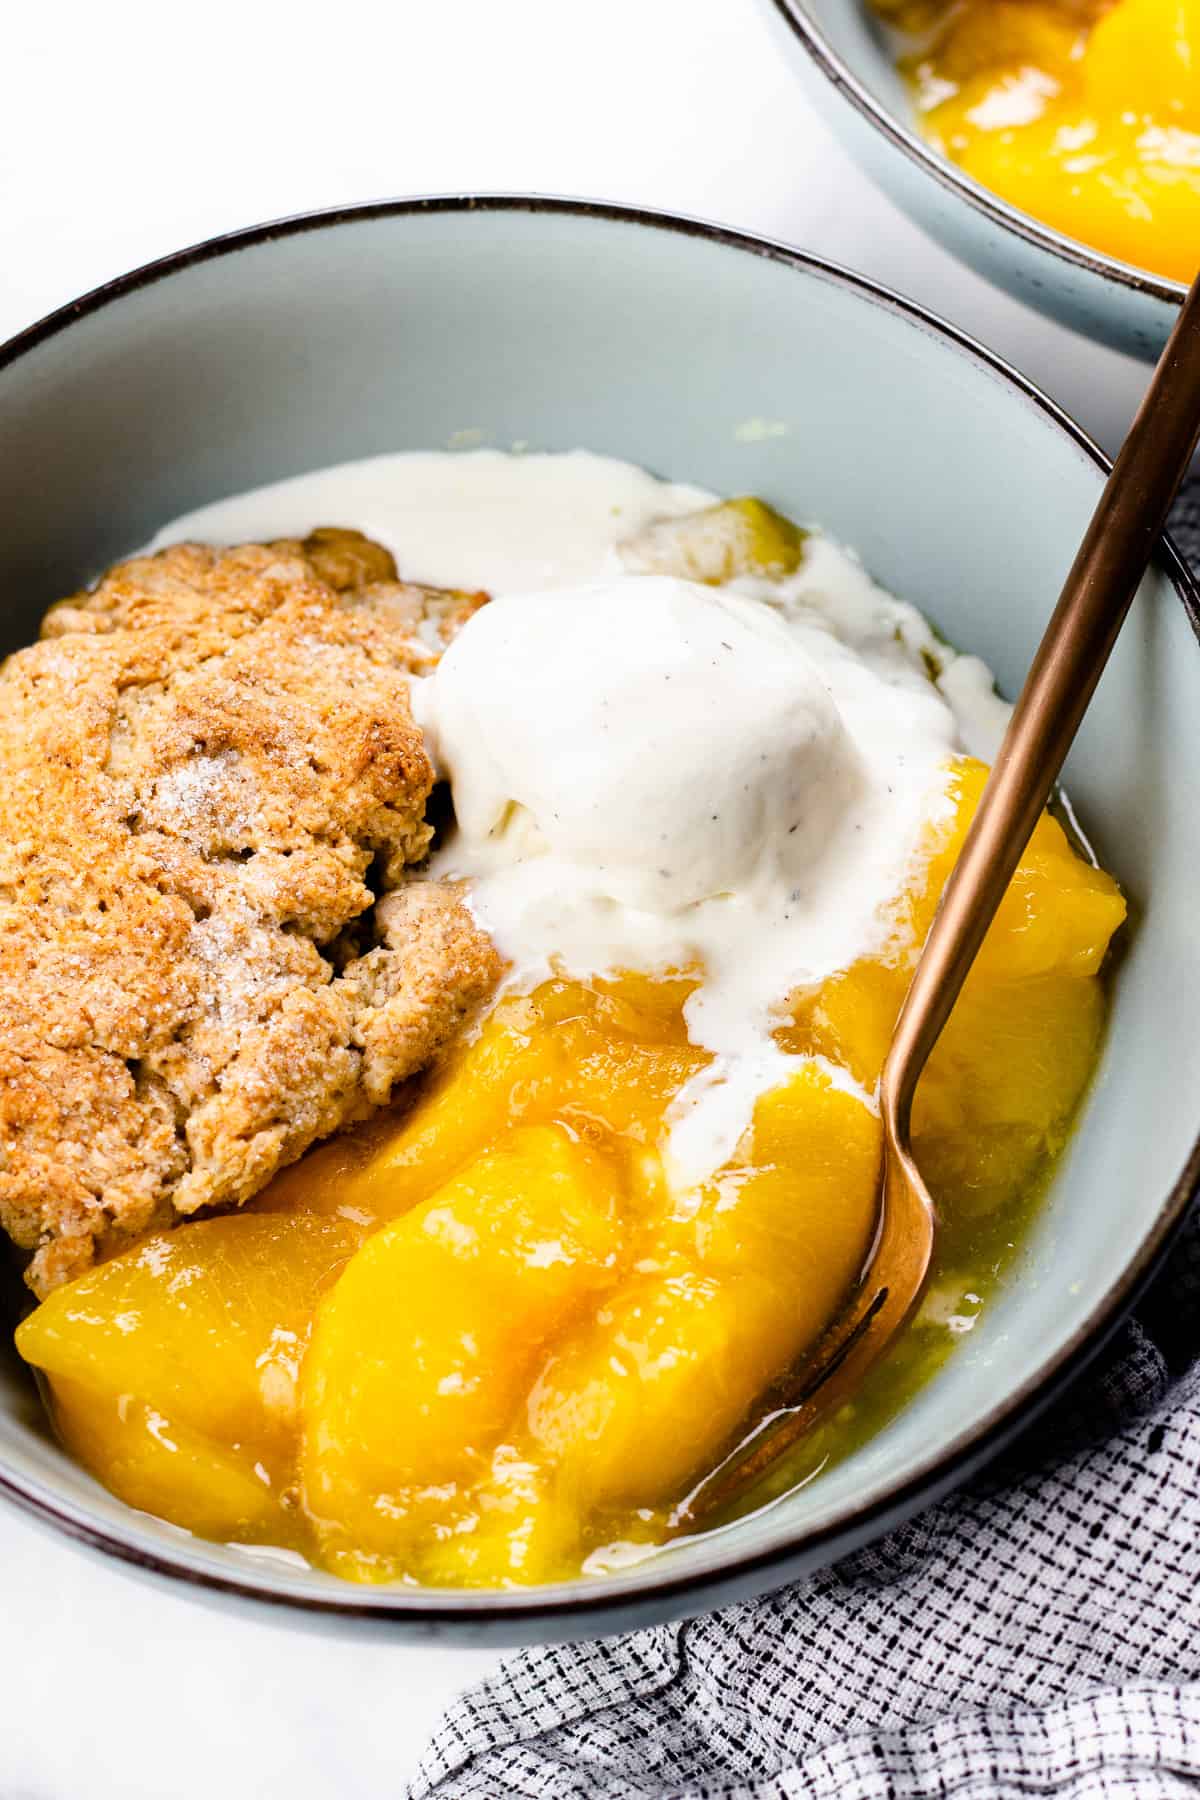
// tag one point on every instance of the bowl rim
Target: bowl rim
(618, 1602)
(797, 19)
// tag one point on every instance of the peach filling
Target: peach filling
(482, 1337)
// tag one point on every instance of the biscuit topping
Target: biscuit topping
(211, 773)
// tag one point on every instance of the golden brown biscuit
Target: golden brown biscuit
(210, 775)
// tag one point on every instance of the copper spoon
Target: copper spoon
(1112, 559)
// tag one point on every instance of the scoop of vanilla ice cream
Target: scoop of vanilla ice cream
(669, 737)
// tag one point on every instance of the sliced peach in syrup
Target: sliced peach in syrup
(1003, 1085)
(422, 1353)
(152, 1462)
(648, 1392)
(1059, 912)
(176, 1364)
(602, 1060)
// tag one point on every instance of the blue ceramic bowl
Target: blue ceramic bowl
(843, 58)
(390, 327)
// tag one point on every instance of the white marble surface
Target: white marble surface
(131, 128)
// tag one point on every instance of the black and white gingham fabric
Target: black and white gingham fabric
(1036, 1635)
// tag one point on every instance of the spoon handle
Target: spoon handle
(1112, 560)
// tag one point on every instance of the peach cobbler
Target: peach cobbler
(443, 992)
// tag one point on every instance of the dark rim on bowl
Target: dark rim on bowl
(597, 1602)
(950, 176)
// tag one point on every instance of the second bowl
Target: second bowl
(840, 53)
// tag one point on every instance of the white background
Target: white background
(128, 129)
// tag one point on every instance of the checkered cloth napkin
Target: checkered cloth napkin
(1038, 1634)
